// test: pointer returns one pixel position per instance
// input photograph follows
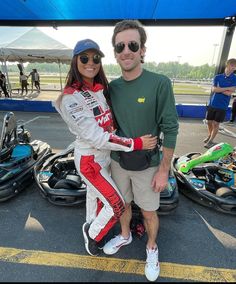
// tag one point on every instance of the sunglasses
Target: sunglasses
(132, 45)
(84, 59)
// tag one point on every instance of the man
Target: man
(143, 102)
(3, 84)
(223, 86)
(35, 79)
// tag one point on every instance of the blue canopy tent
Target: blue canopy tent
(108, 12)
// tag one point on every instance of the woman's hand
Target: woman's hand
(149, 142)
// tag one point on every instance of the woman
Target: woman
(84, 107)
(24, 83)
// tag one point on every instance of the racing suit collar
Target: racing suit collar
(87, 86)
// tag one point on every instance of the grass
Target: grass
(189, 88)
(48, 81)
(45, 79)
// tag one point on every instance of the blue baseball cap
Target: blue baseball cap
(86, 44)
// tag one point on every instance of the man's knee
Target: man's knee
(149, 216)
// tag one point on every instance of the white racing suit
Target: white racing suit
(88, 116)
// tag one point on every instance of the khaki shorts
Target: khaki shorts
(136, 186)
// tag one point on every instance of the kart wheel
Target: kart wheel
(225, 192)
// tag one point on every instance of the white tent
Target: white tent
(35, 46)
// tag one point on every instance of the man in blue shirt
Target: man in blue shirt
(223, 87)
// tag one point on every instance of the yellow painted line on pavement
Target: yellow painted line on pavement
(132, 266)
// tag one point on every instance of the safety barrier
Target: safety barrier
(24, 105)
(195, 111)
(184, 110)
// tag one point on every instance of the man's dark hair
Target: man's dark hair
(130, 24)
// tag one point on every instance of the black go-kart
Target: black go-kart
(209, 178)
(18, 157)
(58, 179)
(60, 183)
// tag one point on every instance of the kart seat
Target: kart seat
(63, 165)
(22, 150)
(204, 170)
(71, 181)
(68, 184)
(21, 153)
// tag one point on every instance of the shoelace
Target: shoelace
(116, 239)
(152, 257)
(120, 238)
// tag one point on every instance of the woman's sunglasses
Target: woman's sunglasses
(84, 59)
(132, 45)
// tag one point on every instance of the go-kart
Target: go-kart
(209, 178)
(58, 179)
(60, 183)
(17, 157)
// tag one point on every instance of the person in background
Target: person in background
(23, 83)
(35, 79)
(233, 110)
(3, 84)
(84, 106)
(143, 102)
(223, 86)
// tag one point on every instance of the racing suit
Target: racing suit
(89, 117)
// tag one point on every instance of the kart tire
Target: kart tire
(225, 192)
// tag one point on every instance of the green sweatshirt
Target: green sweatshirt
(145, 105)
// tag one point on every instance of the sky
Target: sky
(194, 45)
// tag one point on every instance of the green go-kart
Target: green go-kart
(209, 178)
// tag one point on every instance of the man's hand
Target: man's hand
(160, 180)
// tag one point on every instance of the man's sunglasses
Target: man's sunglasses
(132, 45)
(84, 59)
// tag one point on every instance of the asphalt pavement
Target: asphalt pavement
(41, 242)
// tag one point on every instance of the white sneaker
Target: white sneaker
(152, 268)
(116, 243)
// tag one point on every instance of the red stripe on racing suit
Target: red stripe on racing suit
(103, 188)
